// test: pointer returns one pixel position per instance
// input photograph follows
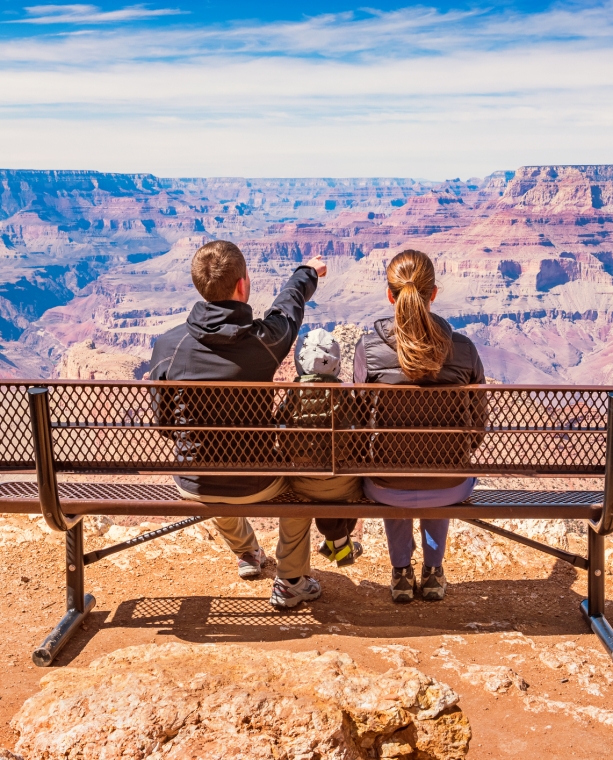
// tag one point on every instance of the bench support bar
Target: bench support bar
(78, 603)
(47, 651)
(99, 554)
(593, 608)
(574, 559)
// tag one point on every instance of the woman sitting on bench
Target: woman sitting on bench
(416, 347)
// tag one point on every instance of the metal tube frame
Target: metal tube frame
(79, 604)
(593, 608)
(45, 462)
(576, 560)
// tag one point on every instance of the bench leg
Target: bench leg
(78, 603)
(593, 608)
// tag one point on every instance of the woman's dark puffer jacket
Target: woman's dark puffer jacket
(376, 361)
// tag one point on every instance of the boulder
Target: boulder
(177, 701)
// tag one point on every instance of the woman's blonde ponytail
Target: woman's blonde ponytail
(421, 343)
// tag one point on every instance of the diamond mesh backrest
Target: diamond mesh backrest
(277, 428)
(16, 446)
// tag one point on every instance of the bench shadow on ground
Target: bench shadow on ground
(537, 607)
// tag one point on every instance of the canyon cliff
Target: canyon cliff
(524, 259)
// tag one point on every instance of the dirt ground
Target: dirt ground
(510, 640)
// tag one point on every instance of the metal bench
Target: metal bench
(143, 429)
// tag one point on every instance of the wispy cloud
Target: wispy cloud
(89, 14)
(403, 34)
(411, 92)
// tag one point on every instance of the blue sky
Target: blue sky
(437, 90)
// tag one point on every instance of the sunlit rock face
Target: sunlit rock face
(176, 701)
(525, 259)
(84, 361)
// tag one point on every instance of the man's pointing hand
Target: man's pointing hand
(318, 265)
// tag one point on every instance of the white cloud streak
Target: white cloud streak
(89, 14)
(407, 33)
(415, 92)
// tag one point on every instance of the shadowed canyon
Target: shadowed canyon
(524, 258)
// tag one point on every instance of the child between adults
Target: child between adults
(318, 360)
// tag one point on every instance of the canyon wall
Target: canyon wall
(524, 259)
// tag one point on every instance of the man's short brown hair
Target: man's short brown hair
(216, 268)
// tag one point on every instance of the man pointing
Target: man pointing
(222, 341)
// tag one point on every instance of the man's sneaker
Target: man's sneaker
(433, 583)
(286, 594)
(250, 565)
(403, 584)
(344, 555)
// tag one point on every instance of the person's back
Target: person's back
(221, 340)
(416, 347)
(377, 361)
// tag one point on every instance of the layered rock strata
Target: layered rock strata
(524, 258)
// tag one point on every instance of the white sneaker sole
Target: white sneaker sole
(249, 572)
(279, 601)
(404, 595)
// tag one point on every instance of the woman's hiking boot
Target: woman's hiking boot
(344, 555)
(433, 583)
(404, 584)
(287, 594)
(250, 564)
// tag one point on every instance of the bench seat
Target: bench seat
(164, 500)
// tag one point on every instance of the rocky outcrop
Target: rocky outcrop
(562, 188)
(85, 361)
(175, 701)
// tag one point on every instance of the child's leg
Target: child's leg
(333, 528)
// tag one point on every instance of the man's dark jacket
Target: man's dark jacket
(222, 341)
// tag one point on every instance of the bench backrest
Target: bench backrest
(285, 428)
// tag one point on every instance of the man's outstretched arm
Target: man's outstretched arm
(284, 318)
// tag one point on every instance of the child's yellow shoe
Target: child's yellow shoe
(348, 553)
(328, 550)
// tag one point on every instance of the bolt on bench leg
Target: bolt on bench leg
(78, 603)
(593, 608)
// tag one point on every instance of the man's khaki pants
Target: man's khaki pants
(294, 545)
